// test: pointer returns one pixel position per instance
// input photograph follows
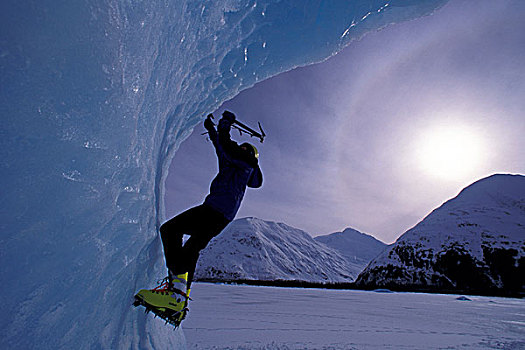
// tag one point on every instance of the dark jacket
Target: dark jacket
(237, 169)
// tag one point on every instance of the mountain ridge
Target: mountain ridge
(357, 247)
(255, 249)
(474, 242)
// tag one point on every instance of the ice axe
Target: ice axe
(246, 129)
(243, 128)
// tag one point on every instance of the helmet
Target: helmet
(252, 149)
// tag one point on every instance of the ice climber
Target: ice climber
(238, 169)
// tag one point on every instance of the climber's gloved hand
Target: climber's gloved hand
(208, 124)
(228, 116)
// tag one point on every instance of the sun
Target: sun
(449, 152)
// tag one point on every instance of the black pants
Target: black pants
(202, 223)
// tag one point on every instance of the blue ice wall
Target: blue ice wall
(96, 96)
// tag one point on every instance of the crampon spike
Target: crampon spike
(173, 318)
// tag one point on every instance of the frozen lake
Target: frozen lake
(247, 317)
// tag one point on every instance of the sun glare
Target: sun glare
(449, 152)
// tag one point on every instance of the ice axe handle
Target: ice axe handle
(260, 135)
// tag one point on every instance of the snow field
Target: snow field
(248, 317)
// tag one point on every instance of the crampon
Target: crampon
(174, 314)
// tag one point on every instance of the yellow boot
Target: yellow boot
(169, 300)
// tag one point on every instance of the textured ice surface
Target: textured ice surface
(96, 96)
(243, 317)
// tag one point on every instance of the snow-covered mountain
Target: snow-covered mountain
(255, 249)
(358, 248)
(473, 242)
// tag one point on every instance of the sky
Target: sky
(384, 132)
